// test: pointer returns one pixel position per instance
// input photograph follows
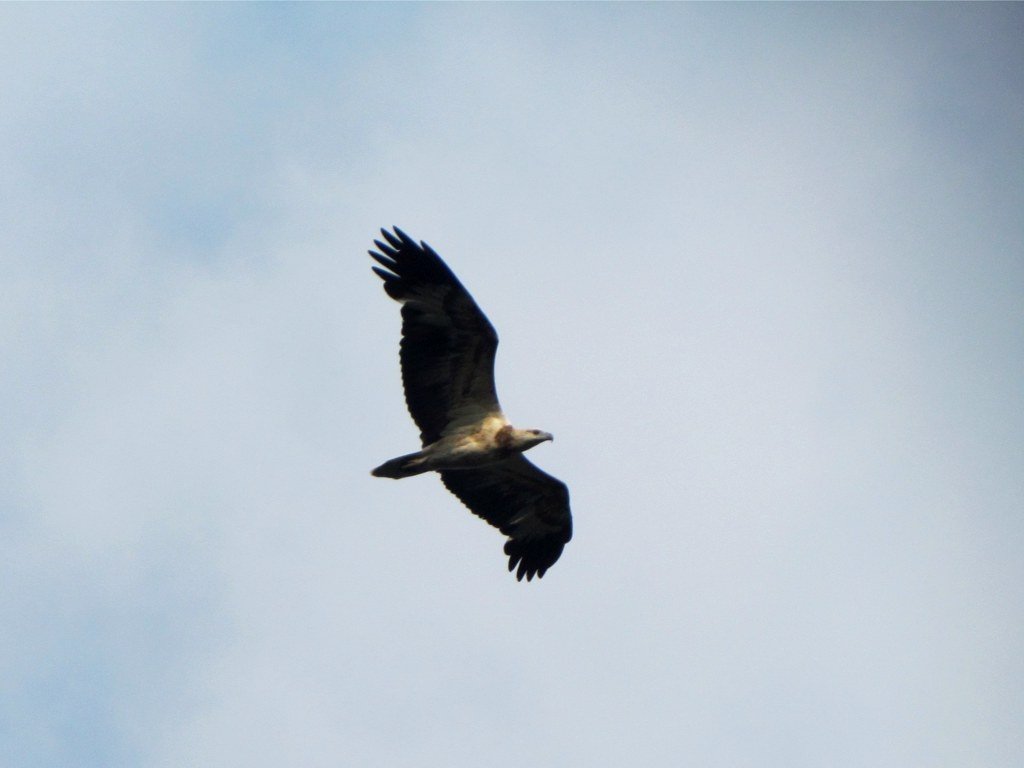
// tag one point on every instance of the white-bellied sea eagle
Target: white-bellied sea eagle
(447, 356)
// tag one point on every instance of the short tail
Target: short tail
(404, 466)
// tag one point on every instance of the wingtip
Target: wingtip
(404, 237)
(391, 238)
(523, 571)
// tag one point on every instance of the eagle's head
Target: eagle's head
(525, 439)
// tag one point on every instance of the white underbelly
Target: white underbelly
(463, 452)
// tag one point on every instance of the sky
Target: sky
(759, 268)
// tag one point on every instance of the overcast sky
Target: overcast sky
(759, 268)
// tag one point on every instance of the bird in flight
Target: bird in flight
(447, 355)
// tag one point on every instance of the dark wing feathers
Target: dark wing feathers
(526, 504)
(448, 344)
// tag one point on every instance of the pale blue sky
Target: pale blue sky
(759, 268)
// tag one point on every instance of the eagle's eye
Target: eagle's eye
(534, 431)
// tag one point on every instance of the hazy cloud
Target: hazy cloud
(759, 268)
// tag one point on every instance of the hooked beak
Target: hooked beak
(547, 436)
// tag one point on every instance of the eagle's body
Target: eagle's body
(491, 441)
(447, 355)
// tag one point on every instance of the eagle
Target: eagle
(447, 357)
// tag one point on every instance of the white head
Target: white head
(525, 439)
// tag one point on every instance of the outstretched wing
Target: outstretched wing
(448, 344)
(526, 504)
